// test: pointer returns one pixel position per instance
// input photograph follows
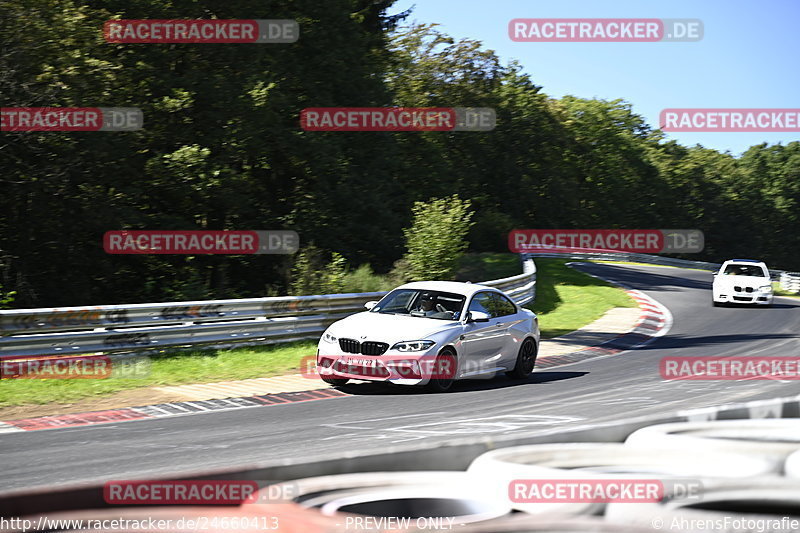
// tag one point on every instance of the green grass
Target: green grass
(566, 300)
(174, 368)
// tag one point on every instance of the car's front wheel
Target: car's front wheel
(336, 382)
(526, 359)
(444, 371)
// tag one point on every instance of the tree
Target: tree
(437, 238)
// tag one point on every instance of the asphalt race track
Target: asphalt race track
(376, 416)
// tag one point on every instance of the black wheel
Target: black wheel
(444, 371)
(336, 382)
(526, 359)
(716, 303)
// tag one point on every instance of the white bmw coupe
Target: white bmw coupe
(431, 333)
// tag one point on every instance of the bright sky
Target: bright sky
(749, 56)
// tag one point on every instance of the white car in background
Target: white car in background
(742, 281)
(431, 333)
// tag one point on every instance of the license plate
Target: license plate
(370, 363)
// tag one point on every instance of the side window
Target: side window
(481, 302)
(502, 305)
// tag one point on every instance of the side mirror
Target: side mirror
(369, 305)
(477, 316)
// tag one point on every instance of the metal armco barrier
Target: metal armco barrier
(653, 260)
(174, 325)
(790, 282)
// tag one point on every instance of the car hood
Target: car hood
(741, 281)
(389, 328)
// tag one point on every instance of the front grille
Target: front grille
(364, 348)
(350, 345)
(742, 298)
(740, 289)
(374, 348)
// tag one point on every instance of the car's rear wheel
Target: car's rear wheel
(526, 359)
(444, 371)
(336, 382)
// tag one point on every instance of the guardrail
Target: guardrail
(176, 325)
(790, 282)
(776, 275)
(633, 258)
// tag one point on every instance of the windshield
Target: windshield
(744, 270)
(422, 303)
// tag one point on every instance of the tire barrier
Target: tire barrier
(769, 439)
(792, 466)
(414, 495)
(604, 461)
(738, 486)
(740, 506)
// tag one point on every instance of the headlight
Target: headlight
(412, 346)
(765, 288)
(329, 338)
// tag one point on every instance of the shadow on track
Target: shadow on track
(467, 385)
(680, 341)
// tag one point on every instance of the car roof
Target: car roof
(458, 287)
(745, 262)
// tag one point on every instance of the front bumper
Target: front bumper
(401, 368)
(752, 298)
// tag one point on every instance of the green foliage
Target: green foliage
(400, 272)
(488, 265)
(437, 238)
(6, 298)
(317, 272)
(363, 279)
(221, 148)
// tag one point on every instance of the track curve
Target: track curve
(586, 393)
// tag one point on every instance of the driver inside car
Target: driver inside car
(427, 305)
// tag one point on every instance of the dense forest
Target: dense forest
(222, 148)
